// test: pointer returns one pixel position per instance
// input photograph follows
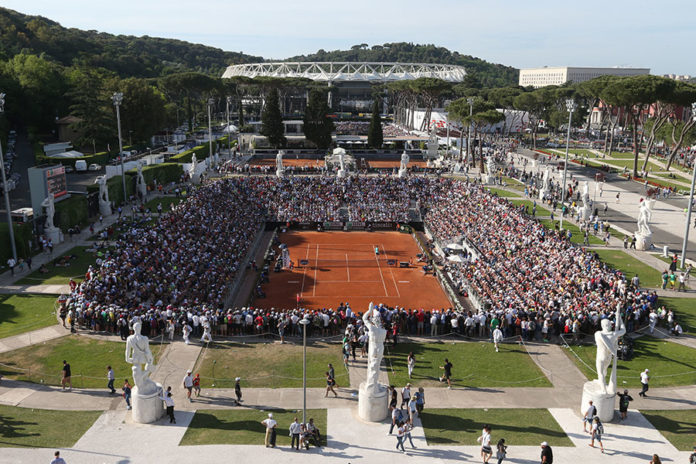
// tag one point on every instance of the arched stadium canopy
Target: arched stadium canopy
(349, 71)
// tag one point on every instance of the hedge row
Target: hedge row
(23, 237)
(71, 212)
(201, 151)
(101, 158)
(164, 173)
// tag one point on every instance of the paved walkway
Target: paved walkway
(32, 338)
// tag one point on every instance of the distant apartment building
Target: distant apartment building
(541, 77)
(679, 77)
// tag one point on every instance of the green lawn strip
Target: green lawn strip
(668, 261)
(670, 364)
(88, 358)
(684, 311)
(475, 364)
(630, 266)
(61, 275)
(677, 426)
(243, 426)
(667, 183)
(519, 427)
(669, 175)
(628, 164)
(625, 155)
(269, 365)
(540, 211)
(167, 203)
(43, 428)
(502, 193)
(513, 183)
(25, 312)
(577, 237)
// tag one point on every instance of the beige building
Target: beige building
(541, 77)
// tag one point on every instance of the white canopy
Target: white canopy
(455, 246)
(67, 154)
(230, 129)
(455, 259)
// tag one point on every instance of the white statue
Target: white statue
(490, 166)
(49, 204)
(404, 161)
(546, 180)
(104, 203)
(377, 334)
(644, 216)
(279, 163)
(140, 185)
(585, 211)
(607, 341)
(138, 353)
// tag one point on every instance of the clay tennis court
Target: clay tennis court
(377, 164)
(288, 162)
(343, 266)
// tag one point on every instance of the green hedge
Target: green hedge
(164, 173)
(23, 235)
(201, 151)
(101, 158)
(71, 212)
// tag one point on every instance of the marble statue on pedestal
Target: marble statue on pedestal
(600, 391)
(644, 234)
(546, 184)
(192, 168)
(279, 164)
(104, 203)
(147, 405)
(140, 185)
(489, 176)
(586, 210)
(342, 166)
(373, 399)
(50, 209)
(403, 166)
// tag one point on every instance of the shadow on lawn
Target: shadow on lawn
(11, 428)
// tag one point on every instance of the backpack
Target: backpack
(600, 428)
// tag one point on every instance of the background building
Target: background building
(541, 77)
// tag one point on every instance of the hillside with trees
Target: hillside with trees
(481, 73)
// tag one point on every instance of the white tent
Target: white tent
(231, 129)
(455, 246)
(455, 259)
(67, 154)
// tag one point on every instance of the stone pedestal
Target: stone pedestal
(604, 402)
(542, 193)
(488, 179)
(147, 408)
(643, 242)
(341, 173)
(403, 173)
(54, 234)
(373, 405)
(104, 209)
(585, 213)
(279, 173)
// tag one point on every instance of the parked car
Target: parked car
(94, 167)
(80, 165)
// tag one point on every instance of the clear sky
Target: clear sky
(658, 35)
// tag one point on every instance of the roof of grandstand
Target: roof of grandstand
(349, 71)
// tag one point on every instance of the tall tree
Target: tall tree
(375, 136)
(91, 103)
(317, 125)
(272, 121)
(143, 110)
(685, 96)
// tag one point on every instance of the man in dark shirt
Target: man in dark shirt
(624, 399)
(448, 373)
(546, 453)
(66, 375)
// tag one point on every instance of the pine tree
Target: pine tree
(317, 125)
(272, 121)
(375, 137)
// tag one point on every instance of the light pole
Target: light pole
(571, 106)
(117, 99)
(6, 192)
(470, 101)
(688, 210)
(211, 102)
(304, 321)
(229, 134)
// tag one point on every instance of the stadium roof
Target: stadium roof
(349, 71)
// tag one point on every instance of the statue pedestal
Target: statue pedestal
(373, 405)
(147, 408)
(604, 402)
(279, 173)
(542, 193)
(643, 242)
(54, 234)
(488, 179)
(341, 173)
(403, 173)
(585, 213)
(104, 209)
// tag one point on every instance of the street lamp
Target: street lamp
(211, 102)
(229, 135)
(6, 192)
(304, 321)
(117, 98)
(571, 106)
(688, 211)
(470, 101)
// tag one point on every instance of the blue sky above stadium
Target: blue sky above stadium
(521, 34)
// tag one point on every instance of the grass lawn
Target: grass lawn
(61, 275)
(670, 364)
(684, 311)
(677, 426)
(243, 426)
(519, 427)
(628, 164)
(475, 364)
(625, 155)
(269, 365)
(167, 203)
(630, 266)
(502, 193)
(540, 211)
(513, 183)
(42, 428)
(25, 312)
(668, 175)
(87, 357)
(577, 236)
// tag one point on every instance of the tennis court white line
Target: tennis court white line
(404, 281)
(398, 293)
(304, 272)
(386, 293)
(349, 282)
(347, 267)
(314, 287)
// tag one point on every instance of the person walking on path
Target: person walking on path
(485, 440)
(332, 373)
(624, 399)
(295, 430)
(405, 395)
(447, 375)
(597, 431)
(111, 378)
(188, 385)
(408, 426)
(270, 424)
(127, 393)
(169, 402)
(411, 363)
(655, 459)
(546, 453)
(497, 337)
(11, 263)
(420, 400)
(644, 379)
(57, 459)
(692, 458)
(501, 450)
(197, 385)
(187, 332)
(330, 383)
(66, 375)
(400, 433)
(396, 418)
(238, 390)
(588, 417)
